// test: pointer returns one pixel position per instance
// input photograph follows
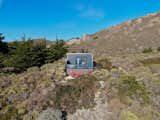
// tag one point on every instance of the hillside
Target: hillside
(122, 87)
(129, 37)
(127, 90)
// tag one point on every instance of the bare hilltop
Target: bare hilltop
(129, 37)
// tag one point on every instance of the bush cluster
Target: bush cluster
(28, 53)
(80, 93)
(129, 86)
(95, 37)
(148, 50)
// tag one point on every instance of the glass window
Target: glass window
(81, 61)
(84, 61)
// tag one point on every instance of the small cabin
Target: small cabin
(79, 64)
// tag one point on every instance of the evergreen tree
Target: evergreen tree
(56, 51)
(3, 45)
(38, 54)
(28, 53)
(20, 56)
(3, 49)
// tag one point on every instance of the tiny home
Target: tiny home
(79, 64)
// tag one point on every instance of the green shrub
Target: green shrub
(127, 115)
(1, 60)
(95, 37)
(129, 86)
(148, 50)
(11, 114)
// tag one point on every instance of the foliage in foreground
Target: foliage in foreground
(50, 114)
(77, 95)
(129, 86)
(26, 95)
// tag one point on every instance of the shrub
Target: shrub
(147, 50)
(104, 63)
(33, 69)
(129, 86)
(149, 61)
(12, 113)
(84, 51)
(1, 60)
(80, 93)
(95, 37)
(158, 49)
(50, 114)
(127, 115)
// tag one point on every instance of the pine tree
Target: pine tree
(3, 45)
(3, 49)
(56, 51)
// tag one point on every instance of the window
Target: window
(81, 61)
(84, 61)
